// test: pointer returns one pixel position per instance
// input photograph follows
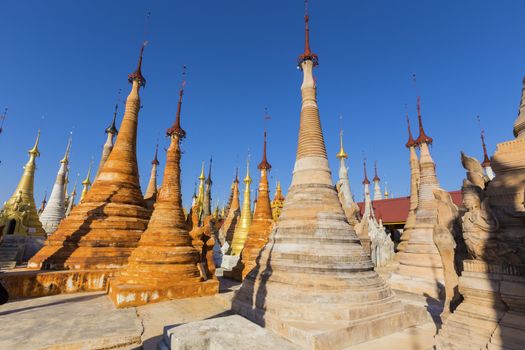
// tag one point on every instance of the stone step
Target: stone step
(7, 265)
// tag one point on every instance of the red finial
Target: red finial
(411, 142)
(486, 159)
(155, 161)
(137, 74)
(176, 128)
(422, 138)
(376, 178)
(365, 181)
(264, 163)
(308, 54)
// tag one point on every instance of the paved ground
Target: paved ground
(90, 321)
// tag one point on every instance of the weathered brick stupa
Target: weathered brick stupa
(96, 239)
(313, 283)
(164, 265)
(262, 219)
(420, 270)
(414, 185)
(55, 209)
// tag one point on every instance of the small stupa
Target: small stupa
(164, 265)
(111, 132)
(55, 210)
(151, 191)
(420, 269)
(343, 186)
(243, 226)
(313, 282)
(96, 239)
(277, 202)
(414, 189)
(262, 222)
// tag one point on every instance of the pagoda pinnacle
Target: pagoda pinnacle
(422, 138)
(411, 142)
(86, 183)
(365, 180)
(208, 179)
(247, 180)
(112, 128)
(201, 176)
(155, 160)
(307, 54)
(137, 74)
(34, 151)
(176, 128)
(65, 160)
(342, 154)
(264, 163)
(486, 159)
(376, 178)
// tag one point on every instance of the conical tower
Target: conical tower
(414, 189)
(232, 214)
(19, 215)
(86, 183)
(111, 132)
(262, 218)
(420, 269)
(486, 159)
(243, 226)
(151, 191)
(226, 208)
(164, 265)
(200, 189)
(343, 186)
(206, 201)
(55, 210)
(377, 188)
(277, 202)
(313, 283)
(103, 230)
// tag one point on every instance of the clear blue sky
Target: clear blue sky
(66, 60)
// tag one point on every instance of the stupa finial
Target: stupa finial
(176, 129)
(307, 54)
(112, 128)
(342, 154)
(34, 151)
(486, 159)
(155, 160)
(422, 138)
(137, 74)
(376, 177)
(264, 163)
(365, 180)
(68, 148)
(208, 179)
(411, 142)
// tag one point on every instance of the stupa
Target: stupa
(111, 132)
(231, 216)
(86, 183)
(343, 187)
(313, 283)
(243, 226)
(486, 160)
(262, 219)
(377, 188)
(55, 210)
(96, 239)
(420, 270)
(362, 227)
(151, 191)
(206, 200)
(414, 188)
(277, 202)
(71, 201)
(164, 265)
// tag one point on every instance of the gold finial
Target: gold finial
(66, 155)
(386, 190)
(87, 180)
(247, 180)
(201, 176)
(342, 154)
(34, 151)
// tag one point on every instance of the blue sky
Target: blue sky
(66, 61)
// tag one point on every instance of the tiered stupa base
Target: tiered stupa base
(420, 268)
(492, 314)
(314, 284)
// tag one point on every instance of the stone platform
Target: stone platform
(24, 283)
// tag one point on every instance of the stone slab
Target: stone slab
(223, 333)
(79, 321)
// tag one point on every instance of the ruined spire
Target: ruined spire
(376, 178)
(422, 138)
(112, 128)
(176, 128)
(307, 54)
(264, 163)
(486, 159)
(137, 74)
(342, 154)
(365, 180)
(411, 142)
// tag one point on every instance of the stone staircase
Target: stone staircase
(11, 251)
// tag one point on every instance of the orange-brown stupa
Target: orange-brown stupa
(262, 219)
(100, 233)
(164, 265)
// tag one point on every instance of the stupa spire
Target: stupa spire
(111, 132)
(422, 138)
(342, 154)
(411, 142)
(137, 74)
(486, 159)
(264, 165)
(365, 180)
(241, 231)
(151, 190)
(55, 210)
(206, 202)
(307, 54)
(43, 204)
(343, 186)
(176, 128)
(86, 183)
(112, 128)
(377, 188)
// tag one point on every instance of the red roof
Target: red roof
(395, 210)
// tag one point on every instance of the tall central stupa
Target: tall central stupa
(313, 282)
